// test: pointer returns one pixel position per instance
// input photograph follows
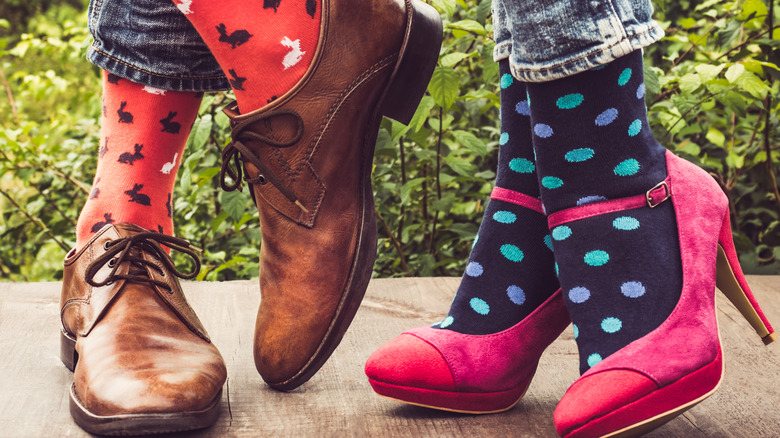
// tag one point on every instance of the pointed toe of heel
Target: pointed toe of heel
(408, 362)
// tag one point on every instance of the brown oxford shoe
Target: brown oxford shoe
(142, 361)
(308, 159)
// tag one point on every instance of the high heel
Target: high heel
(680, 363)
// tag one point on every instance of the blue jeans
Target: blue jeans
(152, 43)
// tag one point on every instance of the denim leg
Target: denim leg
(151, 42)
(551, 39)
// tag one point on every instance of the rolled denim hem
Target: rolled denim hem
(577, 62)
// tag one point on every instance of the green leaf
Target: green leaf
(708, 72)
(234, 204)
(200, 132)
(461, 166)
(753, 10)
(726, 35)
(406, 189)
(752, 84)
(689, 83)
(652, 85)
(444, 86)
(471, 142)
(716, 137)
(687, 23)
(421, 114)
(483, 10)
(734, 72)
(445, 7)
(468, 26)
(451, 59)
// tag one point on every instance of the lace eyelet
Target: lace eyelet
(107, 244)
(261, 179)
(112, 263)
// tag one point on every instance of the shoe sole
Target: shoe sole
(416, 60)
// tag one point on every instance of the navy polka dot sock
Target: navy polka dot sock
(620, 272)
(510, 269)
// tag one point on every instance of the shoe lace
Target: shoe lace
(130, 250)
(236, 152)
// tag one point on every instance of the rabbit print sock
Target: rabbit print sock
(264, 47)
(143, 136)
(510, 271)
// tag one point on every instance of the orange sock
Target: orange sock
(264, 47)
(143, 136)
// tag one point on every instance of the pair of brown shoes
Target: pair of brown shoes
(142, 361)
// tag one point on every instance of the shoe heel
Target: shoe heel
(731, 281)
(68, 354)
(416, 61)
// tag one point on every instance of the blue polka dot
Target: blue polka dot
(447, 322)
(607, 117)
(579, 294)
(523, 108)
(632, 289)
(611, 325)
(627, 167)
(474, 269)
(635, 128)
(594, 359)
(521, 165)
(516, 295)
(504, 217)
(543, 130)
(590, 199)
(548, 241)
(640, 91)
(561, 232)
(579, 155)
(596, 258)
(504, 139)
(551, 182)
(625, 223)
(506, 80)
(512, 252)
(576, 331)
(625, 76)
(569, 101)
(479, 306)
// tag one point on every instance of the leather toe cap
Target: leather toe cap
(410, 361)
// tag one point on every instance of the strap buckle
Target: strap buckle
(658, 194)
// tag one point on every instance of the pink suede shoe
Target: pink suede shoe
(679, 364)
(476, 374)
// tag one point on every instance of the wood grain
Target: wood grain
(338, 401)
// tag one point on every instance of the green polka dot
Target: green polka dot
(506, 80)
(504, 217)
(561, 232)
(611, 325)
(579, 155)
(447, 322)
(551, 182)
(635, 128)
(521, 165)
(593, 359)
(596, 258)
(625, 76)
(627, 168)
(512, 252)
(504, 139)
(479, 306)
(569, 101)
(625, 223)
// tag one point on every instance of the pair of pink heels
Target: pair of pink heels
(636, 389)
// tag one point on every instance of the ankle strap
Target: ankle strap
(652, 198)
(518, 198)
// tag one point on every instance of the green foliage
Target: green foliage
(712, 95)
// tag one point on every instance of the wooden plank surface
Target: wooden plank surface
(338, 401)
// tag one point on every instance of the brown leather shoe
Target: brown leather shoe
(308, 158)
(143, 362)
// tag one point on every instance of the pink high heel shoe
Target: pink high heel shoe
(477, 374)
(679, 364)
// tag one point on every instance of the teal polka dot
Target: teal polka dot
(576, 331)
(607, 117)
(506, 80)
(569, 101)
(625, 223)
(504, 139)
(625, 76)
(551, 182)
(557, 273)
(561, 232)
(516, 295)
(548, 241)
(476, 238)
(596, 258)
(504, 217)
(579, 155)
(594, 359)
(543, 130)
(579, 294)
(632, 289)
(611, 325)
(479, 306)
(512, 252)
(447, 322)
(521, 165)
(627, 168)
(635, 128)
